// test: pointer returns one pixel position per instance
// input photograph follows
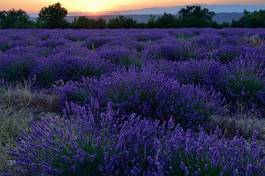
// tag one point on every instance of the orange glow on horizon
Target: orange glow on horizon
(104, 6)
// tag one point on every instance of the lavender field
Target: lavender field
(173, 102)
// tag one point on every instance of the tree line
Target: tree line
(54, 15)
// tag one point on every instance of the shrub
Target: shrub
(203, 72)
(75, 37)
(5, 44)
(203, 154)
(175, 51)
(149, 36)
(119, 55)
(227, 53)
(93, 43)
(87, 142)
(53, 42)
(210, 41)
(122, 22)
(244, 84)
(66, 68)
(206, 73)
(84, 22)
(149, 94)
(15, 68)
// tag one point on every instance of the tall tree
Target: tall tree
(196, 12)
(53, 16)
(14, 19)
(195, 16)
(251, 19)
(167, 20)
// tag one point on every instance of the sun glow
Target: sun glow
(97, 6)
(90, 6)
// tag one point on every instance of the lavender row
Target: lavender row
(149, 81)
(87, 142)
(228, 62)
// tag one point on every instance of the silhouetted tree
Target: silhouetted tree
(53, 16)
(196, 16)
(2, 15)
(167, 20)
(151, 23)
(122, 22)
(190, 16)
(251, 19)
(196, 12)
(2, 18)
(15, 19)
(84, 22)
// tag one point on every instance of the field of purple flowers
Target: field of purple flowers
(173, 102)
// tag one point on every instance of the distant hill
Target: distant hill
(217, 8)
(219, 17)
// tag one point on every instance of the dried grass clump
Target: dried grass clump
(23, 96)
(246, 125)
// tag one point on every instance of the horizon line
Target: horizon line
(114, 12)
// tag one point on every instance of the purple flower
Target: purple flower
(149, 94)
(89, 142)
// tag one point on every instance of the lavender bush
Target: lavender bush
(87, 142)
(227, 53)
(67, 67)
(244, 84)
(120, 56)
(149, 94)
(175, 51)
(15, 67)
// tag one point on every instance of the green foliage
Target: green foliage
(79, 96)
(46, 78)
(15, 19)
(247, 85)
(53, 16)
(127, 62)
(17, 71)
(190, 16)
(196, 12)
(165, 21)
(251, 19)
(196, 16)
(122, 22)
(4, 46)
(84, 22)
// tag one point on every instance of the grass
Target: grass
(22, 96)
(12, 122)
(245, 125)
(18, 107)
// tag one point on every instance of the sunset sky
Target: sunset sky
(98, 6)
